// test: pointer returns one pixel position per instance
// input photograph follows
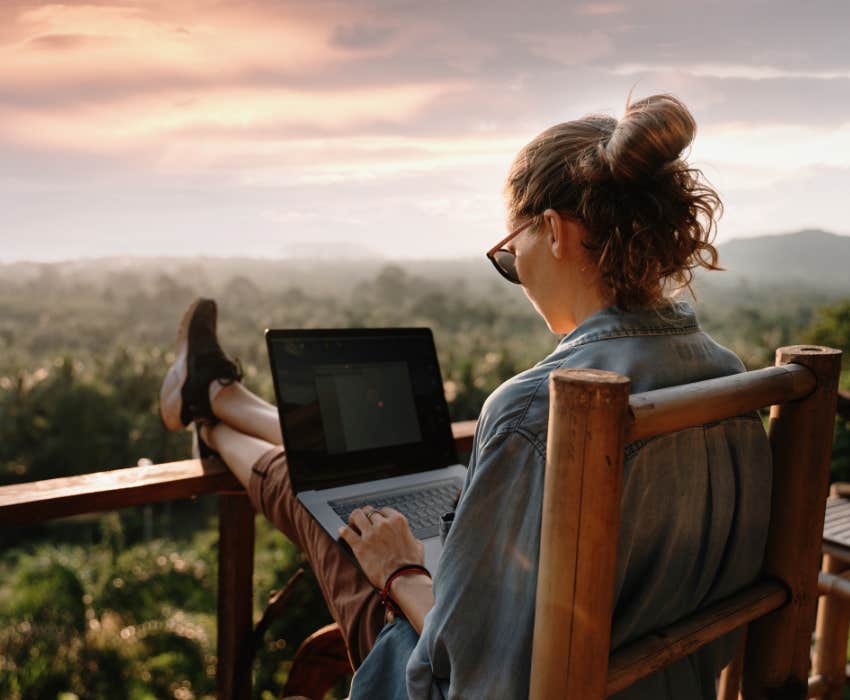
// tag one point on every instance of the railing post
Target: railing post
(730, 678)
(235, 593)
(777, 660)
(833, 623)
(578, 548)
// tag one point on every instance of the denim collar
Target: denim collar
(672, 318)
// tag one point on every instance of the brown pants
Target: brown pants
(351, 599)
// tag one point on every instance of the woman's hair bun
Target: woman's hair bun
(653, 132)
(649, 216)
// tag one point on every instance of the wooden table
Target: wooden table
(833, 623)
(836, 525)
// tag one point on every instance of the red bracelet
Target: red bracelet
(384, 594)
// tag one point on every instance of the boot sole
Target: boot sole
(170, 399)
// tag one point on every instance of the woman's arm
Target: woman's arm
(415, 596)
(477, 643)
(383, 542)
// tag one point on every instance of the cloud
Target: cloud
(64, 42)
(812, 197)
(801, 146)
(192, 117)
(731, 70)
(145, 120)
(572, 48)
(156, 46)
(792, 101)
(362, 36)
(601, 9)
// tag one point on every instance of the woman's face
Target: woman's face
(554, 271)
(533, 265)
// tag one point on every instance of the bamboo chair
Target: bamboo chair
(591, 418)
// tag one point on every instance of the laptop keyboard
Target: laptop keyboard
(421, 505)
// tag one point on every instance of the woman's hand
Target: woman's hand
(382, 541)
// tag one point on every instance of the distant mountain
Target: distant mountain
(328, 251)
(805, 261)
(811, 258)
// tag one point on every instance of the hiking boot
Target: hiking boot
(184, 396)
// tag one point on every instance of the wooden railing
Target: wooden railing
(38, 501)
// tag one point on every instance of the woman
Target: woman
(605, 218)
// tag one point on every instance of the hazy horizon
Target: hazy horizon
(317, 256)
(252, 127)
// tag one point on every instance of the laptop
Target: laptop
(364, 421)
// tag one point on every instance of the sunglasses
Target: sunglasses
(503, 259)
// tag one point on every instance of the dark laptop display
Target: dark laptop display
(359, 404)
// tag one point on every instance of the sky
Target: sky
(278, 128)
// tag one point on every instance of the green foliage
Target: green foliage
(147, 579)
(832, 327)
(139, 624)
(60, 632)
(275, 561)
(70, 416)
(50, 595)
(840, 466)
(43, 642)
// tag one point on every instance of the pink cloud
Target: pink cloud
(601, 9)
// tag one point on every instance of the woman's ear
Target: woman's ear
(556, 232)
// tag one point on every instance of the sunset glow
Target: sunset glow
(212, 122)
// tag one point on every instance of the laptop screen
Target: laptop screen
(359, 404)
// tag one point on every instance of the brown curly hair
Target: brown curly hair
(650, 219)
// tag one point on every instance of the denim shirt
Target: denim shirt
(694, 518)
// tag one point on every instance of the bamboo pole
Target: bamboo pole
(817, 686)
(730, 677)
(834, 584)
(677, 407)
(580, 522)
(840, 489)
(778, 645)
(235, 594)
(666, 646)
(833, 625)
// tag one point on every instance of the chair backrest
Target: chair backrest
(591, 419)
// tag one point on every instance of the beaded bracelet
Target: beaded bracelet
(384, 594)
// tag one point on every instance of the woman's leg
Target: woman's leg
(261, 467)
(245, 411)
(248, 440)
(240, 452)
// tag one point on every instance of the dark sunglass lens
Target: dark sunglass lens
(506, 262)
